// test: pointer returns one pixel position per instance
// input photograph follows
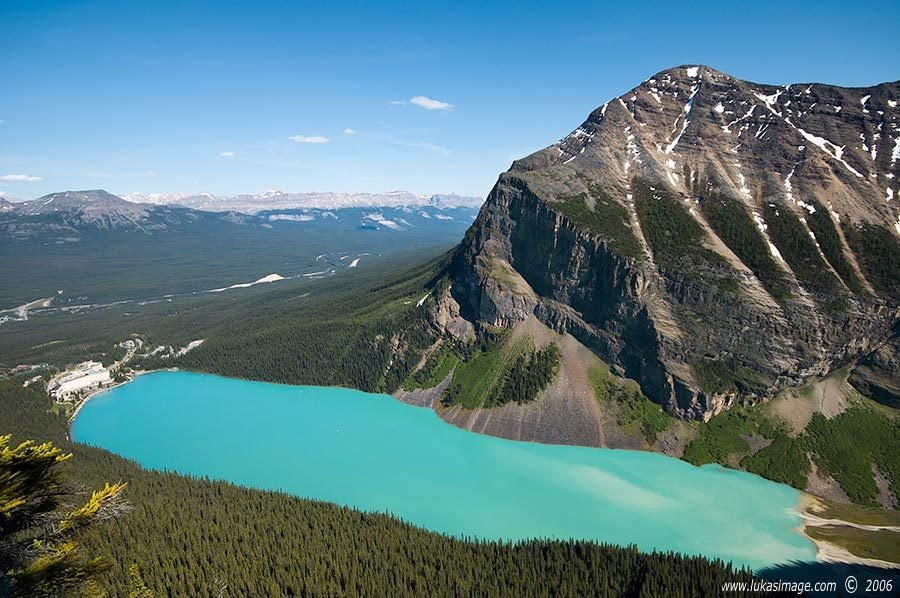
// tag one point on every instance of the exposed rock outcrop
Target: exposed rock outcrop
(877, 375)
(711, 238)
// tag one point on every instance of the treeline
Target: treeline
(673, 234)
(725, 436)
(725, 375)
(877, 251)
(192, 537)
(833, 444)
(606, 218)
(822, 226)
(782, 461)
(529, 375)
(734, 225)
(439, 363)
(798, 249)
(837, 449)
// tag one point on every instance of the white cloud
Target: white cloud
(397, 102)
(308, 139)
(349, 131)
(20, 178)
(430, 104)
(227, 154)
(150, 173)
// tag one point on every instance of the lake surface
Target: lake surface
(372, 452)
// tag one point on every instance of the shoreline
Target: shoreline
(827, 552)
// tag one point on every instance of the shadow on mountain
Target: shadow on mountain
(839, 573)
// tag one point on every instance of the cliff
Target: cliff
(713, 239)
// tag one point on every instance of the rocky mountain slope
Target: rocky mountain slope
(711, 238)
(85, 207)
(68, 216)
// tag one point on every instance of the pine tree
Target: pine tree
(39, 538)
(138, 588)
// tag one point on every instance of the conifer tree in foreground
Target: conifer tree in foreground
(39, 532)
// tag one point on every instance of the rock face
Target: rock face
(877, 375)
(711, 238)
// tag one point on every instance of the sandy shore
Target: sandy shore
(832, 553)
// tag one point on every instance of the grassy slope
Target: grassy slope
(827, 509)
(483, 371)
(439, 363)
(882, 545)
(633, 408)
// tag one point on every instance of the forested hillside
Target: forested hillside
(59, 338)
(369, 339)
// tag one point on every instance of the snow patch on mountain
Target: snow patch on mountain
(279, 200)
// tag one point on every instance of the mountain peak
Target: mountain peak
(689, 72)
(705, 121)
(85, 197)
(93, 206)
(697, 209)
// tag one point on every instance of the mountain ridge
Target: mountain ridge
(711, 238)
(273, 199)
(66, 216)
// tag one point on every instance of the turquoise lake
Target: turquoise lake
(374, 453)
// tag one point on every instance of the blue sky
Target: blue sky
(207, 96)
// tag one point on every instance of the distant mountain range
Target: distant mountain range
(98, 247)
(68, 216)
(275, 200)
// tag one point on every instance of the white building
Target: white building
(89, 375)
